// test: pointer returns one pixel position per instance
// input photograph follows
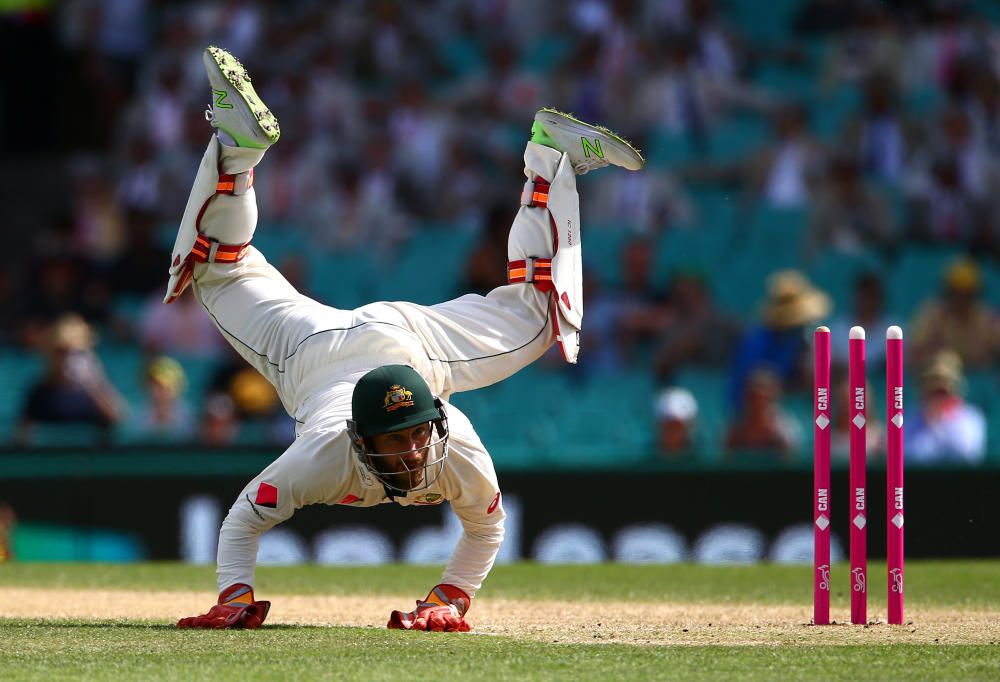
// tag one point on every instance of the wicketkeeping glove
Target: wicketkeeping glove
(236, 610)
(442, 611)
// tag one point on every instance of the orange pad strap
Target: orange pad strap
(237, 184)
(535, 193)
(530, 270)
(207, 251)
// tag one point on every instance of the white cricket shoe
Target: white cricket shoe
(236, 109)
(588, 146)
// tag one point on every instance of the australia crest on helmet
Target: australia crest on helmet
(396, 397)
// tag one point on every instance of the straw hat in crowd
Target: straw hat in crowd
(792, 301)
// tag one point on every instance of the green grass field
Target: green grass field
(954, 633)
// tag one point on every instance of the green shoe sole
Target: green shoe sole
(235, 74)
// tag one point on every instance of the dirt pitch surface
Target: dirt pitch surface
(549, 621)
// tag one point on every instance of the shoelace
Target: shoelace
(210, 114)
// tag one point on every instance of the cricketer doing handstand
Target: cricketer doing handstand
(368, 388)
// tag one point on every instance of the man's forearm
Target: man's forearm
(238, 543)
(472, 560)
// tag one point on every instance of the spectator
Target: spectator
(512, 89)
(74, 389)
(219, 425)
(358, 209)
(985, 110)
(140, 186)
(241, 390)
(942, 212)
(165, 417)
(165, 106)
(698, 332)
(945, 41)
(605, 354)
(763, 426)
(945, 428)
(959, 320)
(642, 307)
(138, 268)
(183, 328)
(7, 521)
(878, 136)
(868, 312)
(719, 51)
(976, 168)
(373, 153)
(418, 129)
(780, 339)
(676, 420)
(951, 201)
(847, 216)
(486, 266)
(939, 212)
(874, 43)
(680, 98)
(59, 286)
(579, 82)
(783, 173)
(646, 203)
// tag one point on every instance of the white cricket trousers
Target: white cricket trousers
(309, 350)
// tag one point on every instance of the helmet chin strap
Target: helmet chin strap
(389, 492)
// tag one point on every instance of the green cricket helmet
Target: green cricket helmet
(393, 398)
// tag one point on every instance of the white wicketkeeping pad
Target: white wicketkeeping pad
(567, 264)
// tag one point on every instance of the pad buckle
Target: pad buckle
(535, 193)
(237, 185)
(530, 270)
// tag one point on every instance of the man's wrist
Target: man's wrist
(238, 594)
(449, 595)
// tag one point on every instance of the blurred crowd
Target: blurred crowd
(878, 122)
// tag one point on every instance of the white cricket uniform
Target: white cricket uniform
(314, 354)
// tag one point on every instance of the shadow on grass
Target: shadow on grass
(136, 625)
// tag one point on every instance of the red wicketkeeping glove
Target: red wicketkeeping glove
(236, 610)
(442, 611)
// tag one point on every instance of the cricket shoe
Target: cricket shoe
(236, 109)
(588, 146)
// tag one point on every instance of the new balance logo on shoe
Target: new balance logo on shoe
(220, 99)
(594, 147)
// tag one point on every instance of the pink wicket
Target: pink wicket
(858, 457)
(821, 478)
(894, 471)
(858, 404)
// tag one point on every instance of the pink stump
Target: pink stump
(821, 477)
(894, 471)
(858, 503)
